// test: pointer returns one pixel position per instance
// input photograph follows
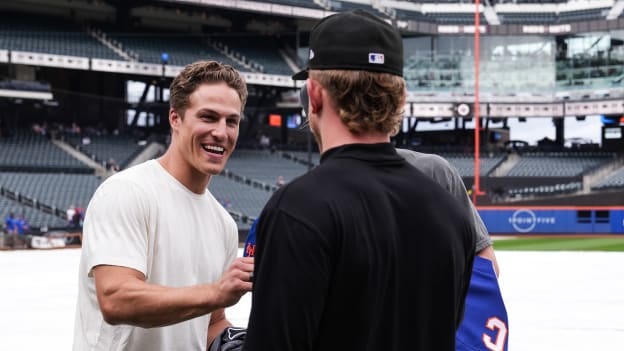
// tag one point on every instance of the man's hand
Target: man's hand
(235, 281)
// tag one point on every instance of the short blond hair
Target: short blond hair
(365, 101)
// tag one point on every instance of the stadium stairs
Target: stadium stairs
(152, 150)
(111, 44)
(596, 176)
(97, 167)
(510, 161)
(236, 56)
(288, 59)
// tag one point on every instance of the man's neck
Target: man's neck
(183, 172)
(335, 133)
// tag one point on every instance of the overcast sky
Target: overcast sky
(537, 128)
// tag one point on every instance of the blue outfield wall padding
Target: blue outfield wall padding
(543, 220)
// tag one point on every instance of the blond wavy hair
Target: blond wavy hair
(365, 101)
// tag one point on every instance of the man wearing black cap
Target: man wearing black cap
(364, 252)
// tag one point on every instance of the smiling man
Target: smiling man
(158, 265)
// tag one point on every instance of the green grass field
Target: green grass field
(559, 244)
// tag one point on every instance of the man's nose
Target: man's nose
(220, 128)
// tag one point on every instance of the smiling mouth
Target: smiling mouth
(214, 149)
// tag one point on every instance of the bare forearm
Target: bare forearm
(147, 305)
(126, 298)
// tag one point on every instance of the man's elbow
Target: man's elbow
(112, 313)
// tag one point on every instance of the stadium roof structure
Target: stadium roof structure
(403, 12)
(553, 103)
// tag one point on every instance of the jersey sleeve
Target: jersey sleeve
(115, 229)
(250, 243)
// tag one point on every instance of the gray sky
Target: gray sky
(537, 128)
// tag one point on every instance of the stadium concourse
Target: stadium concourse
(568, 301)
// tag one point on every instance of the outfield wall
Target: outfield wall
(515, 220)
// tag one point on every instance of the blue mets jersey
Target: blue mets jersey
(250, 242)
(485, 325)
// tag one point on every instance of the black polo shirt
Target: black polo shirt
(364, 252)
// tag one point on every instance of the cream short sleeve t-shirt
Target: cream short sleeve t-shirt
(143, 218)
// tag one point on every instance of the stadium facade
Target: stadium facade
(85, 83)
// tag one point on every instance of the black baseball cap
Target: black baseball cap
(354, 40)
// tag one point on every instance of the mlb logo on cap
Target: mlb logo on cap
(376, 58)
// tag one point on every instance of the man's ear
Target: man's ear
(315, 93)
(174, 118)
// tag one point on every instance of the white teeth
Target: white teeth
(214, 148)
